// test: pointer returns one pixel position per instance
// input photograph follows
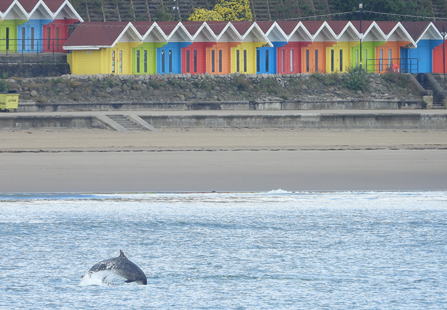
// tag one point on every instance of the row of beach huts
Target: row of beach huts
(284, 47)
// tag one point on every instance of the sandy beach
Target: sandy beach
(92, 160)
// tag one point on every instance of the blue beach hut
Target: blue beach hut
(169, 56)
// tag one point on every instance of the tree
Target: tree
(228, 10)
(205, 15)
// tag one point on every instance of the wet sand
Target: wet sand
(222, 160)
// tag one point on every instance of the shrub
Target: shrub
(57, 80)
(399, 79)
(3, 85)
(356, 79)
(241, 82)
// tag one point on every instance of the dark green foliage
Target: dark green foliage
(270, 86)
(403, 7)
(108, 82)
(164, 13)
(326, 79)
(241, 82)
(156, 84)
(399, 79)
(3, 86)
(356, 79)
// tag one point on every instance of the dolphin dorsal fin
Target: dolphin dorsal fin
(122, 254)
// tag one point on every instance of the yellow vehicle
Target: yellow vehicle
(9, 101)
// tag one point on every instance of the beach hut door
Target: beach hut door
(166, 60)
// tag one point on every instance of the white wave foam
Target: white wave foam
(105, 277)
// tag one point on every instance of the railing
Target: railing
(402, 65)
(11, 49)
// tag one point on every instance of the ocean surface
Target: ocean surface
(274, 250)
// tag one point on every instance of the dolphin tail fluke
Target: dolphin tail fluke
(122, 254)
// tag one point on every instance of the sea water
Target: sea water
(275, 250)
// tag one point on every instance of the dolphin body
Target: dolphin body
(122, 267)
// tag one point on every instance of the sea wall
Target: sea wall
(314, 120)
(305, 120)
(204, 88)
(14, 121)
(360, 104)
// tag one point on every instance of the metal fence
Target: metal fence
(402, 65)
(32, 50)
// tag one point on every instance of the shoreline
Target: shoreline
(242, 171)
(222, 160)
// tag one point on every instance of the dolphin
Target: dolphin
(122, 267)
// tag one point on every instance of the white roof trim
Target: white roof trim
(402, 28)
(297, 27)
(149, 31)
(255, 27)
(205, 25)
(129, 26)
(68, 4)
(41, 3)
(15, 2)
(230, 25)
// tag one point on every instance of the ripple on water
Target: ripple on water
(274, 250)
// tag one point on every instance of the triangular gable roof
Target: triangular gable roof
(265, 25)
(222, 29)
(395, 31)
(174, 30)
(217, 26)
(193, 27)
(54, 5)
(288, 27)
(422, 31)
(150, 31)
(200, 32)
(324, 32)
(39, 11)
(96, 35)
(313, 26)
(272, 31)
(344, 30)
(14, 10)
(387, 26)
(441, 26)
(65, 10)
(372, 31)
(296, 31)
(4, 5)
(250, 31)
(29, 5)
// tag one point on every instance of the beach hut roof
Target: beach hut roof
(272, 31)
(250, 32)
(344, 30)
(371, 30)
(96, 35)
(395, 31)
(225, 31)
(217, 26)
(28, 5)
(200, 31)
(295, 31)
(150, 31)
(175, 31)
(63, 9)
(12, 10)
(441, 26)
(422, 31)
(320, 31)
(40, 10)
